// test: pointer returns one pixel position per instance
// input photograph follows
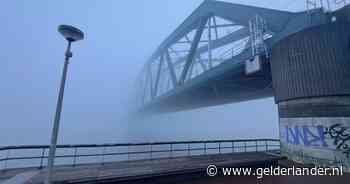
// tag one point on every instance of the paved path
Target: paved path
(21, 178)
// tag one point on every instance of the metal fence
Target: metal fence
(36, 155)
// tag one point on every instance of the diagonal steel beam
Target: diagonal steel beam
(171, 69)
(150, 78)
(145, 83)
(160, 65)
(193, 49)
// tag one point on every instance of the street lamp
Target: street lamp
(71, 34)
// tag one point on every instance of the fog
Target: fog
(120, 36)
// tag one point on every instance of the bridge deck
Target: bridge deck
(143, 169)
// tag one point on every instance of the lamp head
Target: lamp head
(70, 33)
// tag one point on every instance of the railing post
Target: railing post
(7, 157)
(42, 158)
(266, 146)
(188, 150)
(233, 147)
(151, 152)
(219, 147)
(128, 153)
(245, 146)
(171, 150)
(256, 146)
(75, 156)
(205, 148)
(103, 155)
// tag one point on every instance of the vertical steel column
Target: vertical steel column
(210, 57)
(216, 29)
(193, 49)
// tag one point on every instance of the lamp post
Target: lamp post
(71, 34)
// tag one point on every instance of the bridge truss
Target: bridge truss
(208, 51)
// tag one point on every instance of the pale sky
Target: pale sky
(120, 36)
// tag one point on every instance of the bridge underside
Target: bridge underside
(227, 83)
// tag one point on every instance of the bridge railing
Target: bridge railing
(72, 155)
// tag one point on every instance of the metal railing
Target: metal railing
(36, 155)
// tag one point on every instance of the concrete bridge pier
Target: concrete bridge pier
(311, 78)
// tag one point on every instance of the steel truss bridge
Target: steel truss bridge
(220, 54)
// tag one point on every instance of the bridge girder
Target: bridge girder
(169, 70)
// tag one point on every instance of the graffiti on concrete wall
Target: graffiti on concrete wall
(321, 141)
(340, 136)
(334, 136)
(305, 135)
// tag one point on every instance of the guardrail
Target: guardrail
(36, 155)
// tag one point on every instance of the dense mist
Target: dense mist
(120, 36)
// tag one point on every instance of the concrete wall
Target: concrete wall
(319, 138)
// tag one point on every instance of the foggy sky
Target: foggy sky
(120, 36)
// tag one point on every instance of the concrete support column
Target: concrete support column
(311, 80)
(316, 130)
